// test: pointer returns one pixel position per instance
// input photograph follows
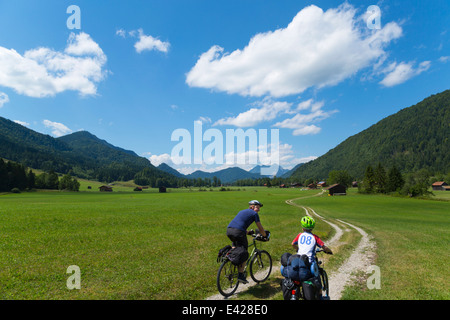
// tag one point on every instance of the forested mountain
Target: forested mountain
(417, 137)
(166, 168)
(81, 154)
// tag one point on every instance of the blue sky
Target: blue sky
(136, 71)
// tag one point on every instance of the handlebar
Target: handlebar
(259, 237)
(321, 250)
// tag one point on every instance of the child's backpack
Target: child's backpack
(298, 268)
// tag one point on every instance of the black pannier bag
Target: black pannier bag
(311, 289)
(223, 252)
(286, 287)
(238, 255)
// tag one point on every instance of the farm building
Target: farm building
(337, 189)
(322, 184)
(105, 189)
(312, 186)
(162, 189)
(440, 185)
(296, 185)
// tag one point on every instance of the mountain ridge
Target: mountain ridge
(414, 138)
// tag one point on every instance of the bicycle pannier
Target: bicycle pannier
(312, 289)
(223, 252)
(286, 287)
(238, 255)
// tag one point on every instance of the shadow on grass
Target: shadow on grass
(268, 290)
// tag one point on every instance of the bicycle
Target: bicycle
(297, 289)
(259, 262)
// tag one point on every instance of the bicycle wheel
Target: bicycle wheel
(325, 287)
(261, 266)
(227, 278)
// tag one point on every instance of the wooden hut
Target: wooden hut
(337, 189)
(439, 185)
(105, 189)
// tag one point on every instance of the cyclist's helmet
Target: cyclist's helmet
(255, 202)
(308, 222)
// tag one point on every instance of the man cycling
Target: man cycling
(237, 230)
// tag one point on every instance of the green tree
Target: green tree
(369, 180)
(380, 179)
(68, 183)
(341, 177)
(417, 184)
(395, 180)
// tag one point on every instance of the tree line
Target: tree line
(14, 177)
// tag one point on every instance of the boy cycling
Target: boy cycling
(306, 242)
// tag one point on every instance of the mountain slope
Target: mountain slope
(166, 168)
(79, 153)
(414, 138)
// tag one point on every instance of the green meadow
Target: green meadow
(150, 245)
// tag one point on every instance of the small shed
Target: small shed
(162, 189)
(105, 189)
(439, 185)
(312, 186)
(322, 184)
(337, 189)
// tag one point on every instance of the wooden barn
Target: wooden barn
(439, 185)
(337, 189)
(105, 189)
(322, 184)
(162, 189)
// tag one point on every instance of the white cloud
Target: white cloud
(204, 120)
(58, 129)
(145, 42)
(265, 110)
(3, 99)
(316, 49)
(302, 122)
(444, 59)
(149, 43)
(23, 123)
(156, 160)
(121, 33)
(399, 73)
(44, 72)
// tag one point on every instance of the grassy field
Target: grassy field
(412, 235)
(128, 245)
(147, 245)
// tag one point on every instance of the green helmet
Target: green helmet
(308, 222)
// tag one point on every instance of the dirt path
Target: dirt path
(359, 261)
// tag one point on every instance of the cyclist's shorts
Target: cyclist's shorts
(238, 237)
